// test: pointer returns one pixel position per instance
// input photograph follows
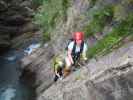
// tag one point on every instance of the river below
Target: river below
(12, 87)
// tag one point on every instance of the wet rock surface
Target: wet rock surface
(15, 19)
(14, 83)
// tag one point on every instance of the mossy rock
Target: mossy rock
(120, 11)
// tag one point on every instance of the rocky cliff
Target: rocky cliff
(104, 78)
(15, 19)
(107, 78)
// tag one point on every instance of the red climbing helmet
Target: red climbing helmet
(78, 36)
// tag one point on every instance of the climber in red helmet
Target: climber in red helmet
(76, 51)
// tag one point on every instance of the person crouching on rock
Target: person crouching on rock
(76, 51)
(58, 65)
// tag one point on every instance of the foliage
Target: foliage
(46, 37)
(50, 14)
(119, 12)
(92, 2)
(124, 28)
(38, 2)
(100, 19)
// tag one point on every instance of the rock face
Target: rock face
(109, 78)
(76, 19)
(43, 69)
(79, 15)
(14, 17)
(101, 79)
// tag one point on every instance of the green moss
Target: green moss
(105, 43)
(37, 2)
(100, 19)
(103, 46)
(119, 12)
(65, 5)
(92, 2)
(46, 37)
(50, 14)
(125, 26)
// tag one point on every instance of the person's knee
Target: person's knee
(68, 63)
(66, 71)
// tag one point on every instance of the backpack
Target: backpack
(68, 42)
(74, 46)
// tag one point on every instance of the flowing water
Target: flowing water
(12, 87)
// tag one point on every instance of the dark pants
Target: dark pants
(76, 58)
(59, 71)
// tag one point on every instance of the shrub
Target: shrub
(50, 14)
(100, 19)
(124, 29)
